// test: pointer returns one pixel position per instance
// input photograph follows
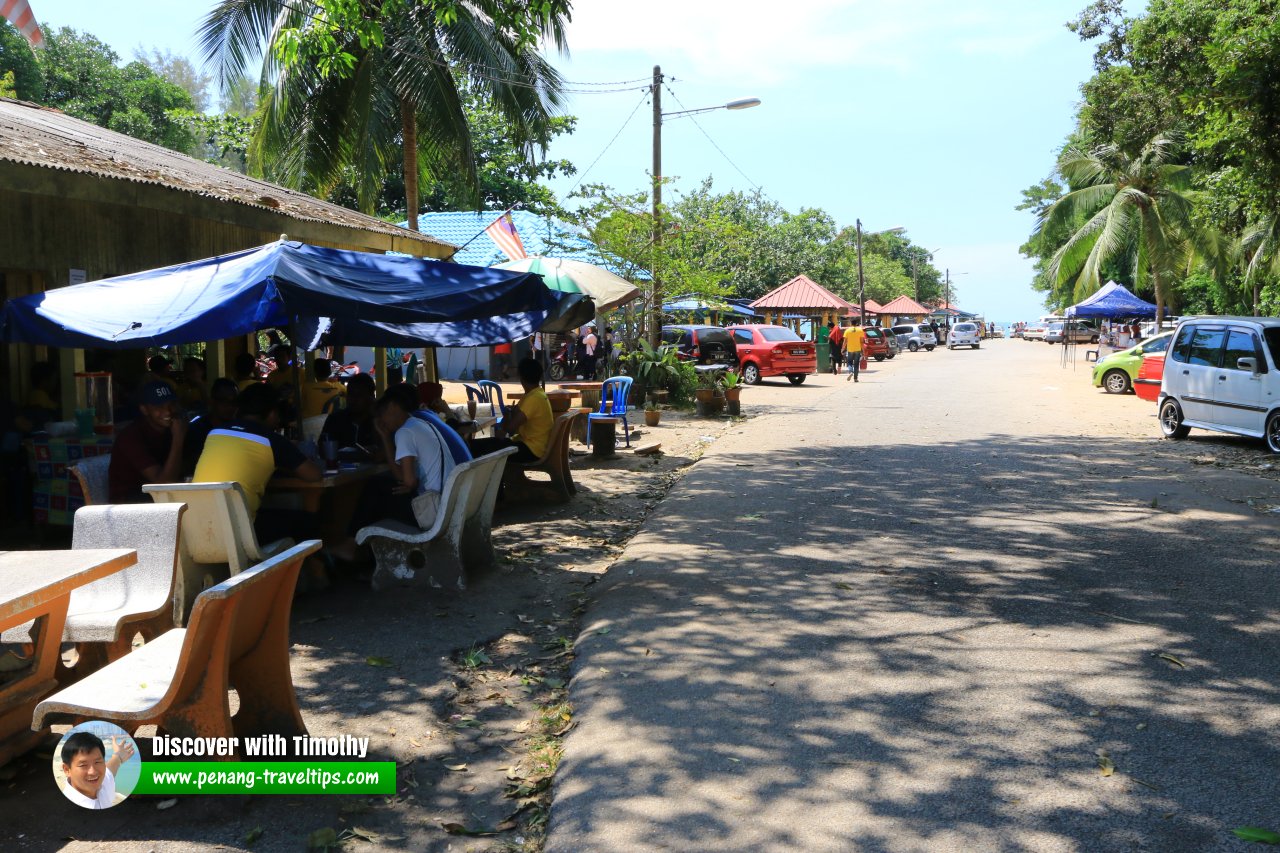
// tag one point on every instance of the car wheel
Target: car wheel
(914, 346)
(891, 355)
(751, 374)
(929, 349)
(796, 378)
(879, 358)
(1117, 382)
(1171, 420)
(975, 346)
(1273, 431)
(949, 346)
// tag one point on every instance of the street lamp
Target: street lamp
(655, 311)
(862, 284)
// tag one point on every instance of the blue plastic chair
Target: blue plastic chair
(613, 404)
(491, 393)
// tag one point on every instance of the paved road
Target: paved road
(907, 614)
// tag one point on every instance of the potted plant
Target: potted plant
(732, 384)
(709, 392)
(652, 414)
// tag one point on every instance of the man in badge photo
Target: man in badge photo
(91, 776)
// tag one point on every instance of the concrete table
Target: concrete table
(37, 585)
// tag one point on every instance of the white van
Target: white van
(1223, 374)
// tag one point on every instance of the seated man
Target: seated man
(527, 426)
(422, 459)
(249, 452)
(246, 368)
(150, 449)
(353, 426)
(223, 398)
(318, 395)
(193, 393)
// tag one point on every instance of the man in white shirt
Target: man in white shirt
(421, 459)
(91, 778)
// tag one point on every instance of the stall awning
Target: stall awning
(1112, 300)
(284, 284)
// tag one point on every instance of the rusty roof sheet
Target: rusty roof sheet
(800, 293)
(904, 305)
(45, 137)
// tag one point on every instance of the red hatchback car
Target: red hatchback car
(773, 351)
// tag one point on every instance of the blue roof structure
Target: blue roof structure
(541, 235)
(1113, 300)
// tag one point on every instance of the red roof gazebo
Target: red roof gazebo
(804, 296)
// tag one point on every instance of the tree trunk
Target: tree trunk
(409, 134)
(1155, 280)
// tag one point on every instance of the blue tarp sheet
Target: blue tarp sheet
(288, 284)
(1112, 300)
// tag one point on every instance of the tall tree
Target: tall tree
(390, 88)
(1118, 205)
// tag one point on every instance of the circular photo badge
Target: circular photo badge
(96, 765)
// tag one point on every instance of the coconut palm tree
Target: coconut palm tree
(321, 122)
(1129, 209)
(1259, 250)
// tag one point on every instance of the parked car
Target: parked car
(773, 351)
(1035, 331)
(1076, 331)
(964, 335)
(1150, 373)
(890, 341)
(1117, 372)
(702, 344)
(877, 344)
(915, 336)
(1223, 374)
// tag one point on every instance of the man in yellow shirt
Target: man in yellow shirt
(318, 395)
(853, 340)
(529, 424)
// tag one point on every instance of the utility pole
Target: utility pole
(655, 311)
(862, 284)
(915, 279)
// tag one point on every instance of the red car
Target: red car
(773, 351)
(1150, 374)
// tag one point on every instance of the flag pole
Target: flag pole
(506, 212)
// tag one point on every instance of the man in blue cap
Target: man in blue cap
(149, 450)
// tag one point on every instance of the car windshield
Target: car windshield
(1157, 345)
(774, 333)
(965, 327)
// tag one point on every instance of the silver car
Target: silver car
(963, 335)
(915, 336)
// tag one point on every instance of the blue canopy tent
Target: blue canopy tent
(354, 297)
(1112, 301)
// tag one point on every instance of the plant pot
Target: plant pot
(652, 416)
(732, 394)
(710, 408)
(733, 406)
(704, 395)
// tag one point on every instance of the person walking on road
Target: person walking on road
(835, 340)
(853, 340)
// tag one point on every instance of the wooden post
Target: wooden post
(215, 360)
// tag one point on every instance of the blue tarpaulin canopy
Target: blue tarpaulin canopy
(359, 297)
(1112, 300)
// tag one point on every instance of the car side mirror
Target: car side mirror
(1138, 351)
(1249, 364)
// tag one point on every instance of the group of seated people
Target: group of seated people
(238, 438)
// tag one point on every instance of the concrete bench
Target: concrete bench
(457, 543)
(217, 532)
(238, 638)
(104, 616)
(555, 461)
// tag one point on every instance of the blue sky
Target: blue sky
(929, 114)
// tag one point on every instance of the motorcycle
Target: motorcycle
(562, 363)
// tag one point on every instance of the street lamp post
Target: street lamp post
(655, 307)
(862, 284)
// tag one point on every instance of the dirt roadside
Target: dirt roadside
(465, 691)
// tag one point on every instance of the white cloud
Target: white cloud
(751, 41)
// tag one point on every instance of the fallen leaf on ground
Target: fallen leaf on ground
(322, 839)
(1171, 659)
(378, 661)
(251, 836)
(843, 585)
(1105, 765)
(459, 829)
(167, 804)
(1257, 834)
(454, 764)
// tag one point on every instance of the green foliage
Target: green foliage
(82, 76)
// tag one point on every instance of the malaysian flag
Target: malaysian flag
(503, 232)
(18, 13)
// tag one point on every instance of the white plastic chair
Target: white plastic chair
(216, 531)
(311, 427)
(138, 599)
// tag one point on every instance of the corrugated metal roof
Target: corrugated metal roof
(904, 306)
(48, 138)
(801, 292)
